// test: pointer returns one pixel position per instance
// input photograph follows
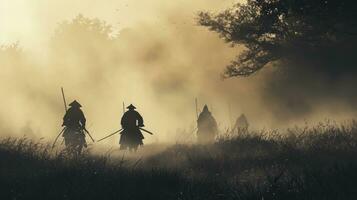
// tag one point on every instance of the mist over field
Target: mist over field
(149, 53)
(288, 66)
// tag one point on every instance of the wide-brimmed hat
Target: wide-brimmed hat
(75, 104)
(131, 107)
(205, 109)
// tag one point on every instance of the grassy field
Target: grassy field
(316, 162)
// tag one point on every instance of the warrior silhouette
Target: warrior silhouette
(74, 122)
(241, 125)
(206, 126)
(131, 136)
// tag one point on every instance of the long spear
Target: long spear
(123, 107)
(64, 100)
(65, 108)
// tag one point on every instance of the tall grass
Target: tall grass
(317, 162)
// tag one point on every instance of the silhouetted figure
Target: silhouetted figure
(241, 125)
(74, 122)
(206, 126)
(131, 136)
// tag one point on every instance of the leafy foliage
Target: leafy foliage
(288, 31)
(84, 26)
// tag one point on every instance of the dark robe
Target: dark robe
(241, 124)
(131, 136)
(74, 118)
(206, 127)
(74, 121)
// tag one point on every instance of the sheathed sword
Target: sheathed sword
(146, 131)
(88, 134)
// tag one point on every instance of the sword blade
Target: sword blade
(53, 145)
(110, 135)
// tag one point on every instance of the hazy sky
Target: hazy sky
(164, 94)
(32, 22)
(162, 61)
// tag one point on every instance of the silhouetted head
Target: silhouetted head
(131, 107)
(205, 109)
(242, 116)
(75, 104)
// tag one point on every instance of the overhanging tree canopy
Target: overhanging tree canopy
(322, 31)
